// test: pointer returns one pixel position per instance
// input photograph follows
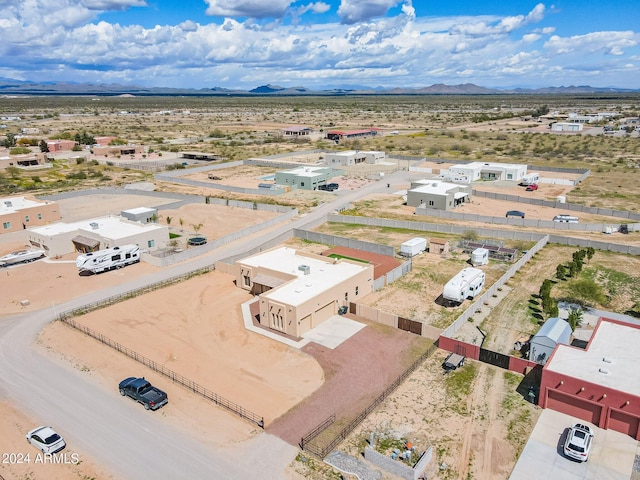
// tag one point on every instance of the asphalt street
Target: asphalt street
(121, 436)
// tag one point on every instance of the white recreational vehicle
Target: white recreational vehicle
(108, 259)
(466, 284)
(530, 179)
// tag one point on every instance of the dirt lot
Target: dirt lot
(473, 418)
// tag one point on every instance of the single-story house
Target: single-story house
(353, 157)
(437, 195)
(599, 384)
(296, 131)
(338, 135)
(298, 291)
(19, 213)
(97, 234)
(306, 178)
(470, 172)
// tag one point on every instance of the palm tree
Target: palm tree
(196, 227)
(574, 318)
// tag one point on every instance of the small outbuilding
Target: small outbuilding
(555, 331)
(413, 247)
(141, 214)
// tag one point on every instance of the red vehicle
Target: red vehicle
(532, 187)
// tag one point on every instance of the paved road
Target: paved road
(130, 442)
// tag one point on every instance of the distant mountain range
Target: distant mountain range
(17, 87)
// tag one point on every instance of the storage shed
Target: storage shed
(554, 331)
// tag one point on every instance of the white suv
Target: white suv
(578, 443)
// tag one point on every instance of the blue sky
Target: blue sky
(322, 43)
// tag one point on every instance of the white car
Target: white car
(45, 439)
(578, 443)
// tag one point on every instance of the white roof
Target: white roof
(615, 342)
(323, 274)
(493, 165)
(414, 241)
(108, 227)
(139, 210)
(307, 171)
(435, 187)
(13, 204)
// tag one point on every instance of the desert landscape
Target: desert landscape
(195, 327)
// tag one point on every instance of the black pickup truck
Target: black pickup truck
(143, 392)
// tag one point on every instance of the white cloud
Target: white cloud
(353, 11)
(492, 26)
(248, 8)
(612, 43)
(53, 39)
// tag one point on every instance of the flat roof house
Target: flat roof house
(353, 157)
(296, 131)
(298, 291)
(306, 178)
(470, 172)
(599, 384)
(437, 194)
(97, 234)
(19, 213)
(338, 135)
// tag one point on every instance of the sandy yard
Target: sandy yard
(202, 337)
(84, 207)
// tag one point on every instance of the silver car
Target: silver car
(578, 442)
(46, 440)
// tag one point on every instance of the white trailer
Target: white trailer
(466, 284)
(530, 179)
(108, 259)
(480, 256)
(413, 247)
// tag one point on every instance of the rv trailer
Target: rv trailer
(466, 284)
(108, 259)
(530, 179)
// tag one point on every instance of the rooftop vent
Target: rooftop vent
(8, 203)
(94, 225)
(603, 371)
(607, 360)
(306, 269)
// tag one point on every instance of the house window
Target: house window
(302, 184)
(509, 176)
(431, 203)
(39, 216)
(26, 218)
(247, 280)
(6, 225)
(346, 296)
(357, 291)
(151, 243)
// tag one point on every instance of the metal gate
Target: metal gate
(410, 325)
(494, 358)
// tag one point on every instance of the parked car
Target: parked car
(578, 442)
(143, 392)
(532, 187)
(46, 440)
(514, 213)
(329, 187)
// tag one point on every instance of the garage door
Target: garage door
(624, 423)
(574, 406)
(323, 313)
